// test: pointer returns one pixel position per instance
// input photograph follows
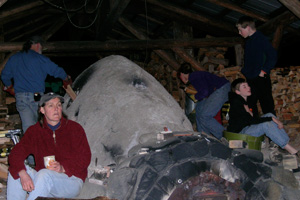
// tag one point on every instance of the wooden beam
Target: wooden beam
(239, 55)
(27, 13)
(194, 16)
(284, 19)
(227, 11)
(185, 32)
(168, 59)
(188, 58)
(113, 16)
(21, 26)
(293, 6)
(148, 18)
(2, 2)
(55, 27)
(277, 36)
(27, 6)
(121, 45)
(164, 55)
(232, 6)
(31, 31)
(2, 56)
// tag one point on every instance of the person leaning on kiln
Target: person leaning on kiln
(52, 135)
(212, 93)
(242, 120)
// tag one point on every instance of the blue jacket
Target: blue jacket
(29, 71)
(205, 83)
(259, 55)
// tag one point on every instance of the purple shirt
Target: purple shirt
(205, 83)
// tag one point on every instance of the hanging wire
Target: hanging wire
(98, 5)
(64, 9)
(84, 6)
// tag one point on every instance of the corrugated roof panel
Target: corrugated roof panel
(295, 24)
(200, 6)
(264, 7)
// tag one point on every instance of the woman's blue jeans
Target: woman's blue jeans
(278, 136)
(208, 108)
(47, 183)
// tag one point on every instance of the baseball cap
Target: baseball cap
(47, 97)
(37, 39)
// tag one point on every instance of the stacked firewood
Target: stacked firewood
(212, 59)
(286, 94)
(165, 75)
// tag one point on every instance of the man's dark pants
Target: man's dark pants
(261, 89)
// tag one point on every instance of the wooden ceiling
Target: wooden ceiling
(96, 28)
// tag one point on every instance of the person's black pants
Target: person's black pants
(261, 89)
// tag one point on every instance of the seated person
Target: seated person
(241, 118)
(211, 93)
(56, 136)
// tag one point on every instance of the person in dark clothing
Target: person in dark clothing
(260, 58)
(242, 119)
(212, 93)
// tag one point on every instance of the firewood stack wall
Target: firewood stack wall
(285, 81)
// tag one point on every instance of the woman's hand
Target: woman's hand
(279, 123)
(56, 166)
(26, 181)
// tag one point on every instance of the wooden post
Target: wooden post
(277, 36)
(2, 55)
(239, 55)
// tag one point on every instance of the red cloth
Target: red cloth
(71, 149)
(218, 117)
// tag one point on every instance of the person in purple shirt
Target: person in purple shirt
(212, 93)
(260, 58)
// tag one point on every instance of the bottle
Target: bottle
(4, 152)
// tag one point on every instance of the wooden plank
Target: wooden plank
(96, 46)
(292, 5)
(164, 55)
(71, 92)
(113, 16)
(188, 58)
(232, 6)
(277, 36)
(194, 16)
(27, 6)
(2, 2)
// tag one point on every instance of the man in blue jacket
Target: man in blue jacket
(24, 76)
(260, 58)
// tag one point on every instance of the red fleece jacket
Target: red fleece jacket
(71, 148)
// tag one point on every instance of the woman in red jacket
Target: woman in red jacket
(54, 136)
